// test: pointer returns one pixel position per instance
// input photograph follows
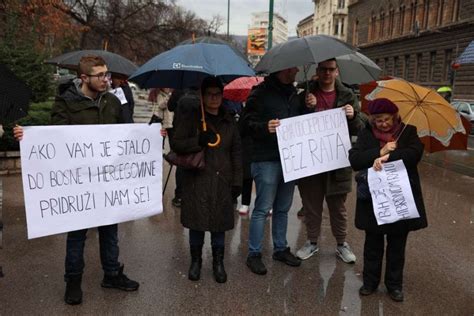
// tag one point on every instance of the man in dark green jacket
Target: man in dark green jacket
(85, 100)
(327, 93)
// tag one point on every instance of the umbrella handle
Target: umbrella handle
(204, 127)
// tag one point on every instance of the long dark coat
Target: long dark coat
(362, 156)
(207, 203)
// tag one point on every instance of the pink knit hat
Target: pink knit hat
(382, 105)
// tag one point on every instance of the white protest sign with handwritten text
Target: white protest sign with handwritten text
(313, 143)
(82, 176)
(392, 197)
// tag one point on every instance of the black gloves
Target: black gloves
(155, 119)
(207, 137)
(236, 191)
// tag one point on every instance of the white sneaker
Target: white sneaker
(244, 210)
(345, 253)
(307, 250)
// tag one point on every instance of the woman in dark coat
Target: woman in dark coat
(377, 144)
(208, 194)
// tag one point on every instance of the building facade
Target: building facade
(331, 18)
(305, 27)
(257, 43)
(417, 40)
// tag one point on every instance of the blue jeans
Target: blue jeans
(272, 193)
(109, 251)
(196, 238)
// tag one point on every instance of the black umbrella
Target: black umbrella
(115, 63)
(15, 96)
(302, 51)
(354, 68)
(215, 40)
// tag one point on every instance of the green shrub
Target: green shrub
(39, 114)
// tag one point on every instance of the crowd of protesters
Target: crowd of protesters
(246, 153)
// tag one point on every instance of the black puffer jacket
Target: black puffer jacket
(269, 100)
(207, 200)
(362, 156)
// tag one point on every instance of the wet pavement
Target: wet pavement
(438, 272)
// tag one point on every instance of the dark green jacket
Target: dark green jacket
(339, 181)
(72, 107)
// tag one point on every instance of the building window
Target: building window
(391, 19)
(396, 67)
(385, 66)
(455, 16)
(419, 59)
(342, 26)
(406, 66)
(336, 28)
(317, 30)
(401, 24)
(426, 14)
(439, 20)
(413, 15)
(373, 24)
(382, 22)
(355, 33)
(432, 65)
(341, 4)
(448, 58)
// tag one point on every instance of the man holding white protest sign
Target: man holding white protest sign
(334, 183)
(380, 145)
(86, 101)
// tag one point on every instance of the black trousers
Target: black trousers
(395, 259)
(247, 191)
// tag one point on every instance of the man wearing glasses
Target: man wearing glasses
(86, 101)
(327, 93)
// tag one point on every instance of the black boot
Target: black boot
(196, 261)
(119, 281)
(73, 294)
(218, 264)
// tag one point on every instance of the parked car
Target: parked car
(466, 109)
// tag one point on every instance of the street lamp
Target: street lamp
(228, 17)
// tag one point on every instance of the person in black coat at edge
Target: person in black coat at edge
(126, 109)
(208, 194)
(377, 144)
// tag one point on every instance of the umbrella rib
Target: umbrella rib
(395, 90)
(435, 109)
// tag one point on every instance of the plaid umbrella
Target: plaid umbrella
(14, 96)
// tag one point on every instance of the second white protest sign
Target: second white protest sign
(313, 143)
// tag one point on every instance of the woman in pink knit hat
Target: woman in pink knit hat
(385, 138)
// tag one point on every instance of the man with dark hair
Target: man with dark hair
(274, 99)
(327, 93)
(86, 101)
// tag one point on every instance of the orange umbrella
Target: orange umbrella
(439, 126)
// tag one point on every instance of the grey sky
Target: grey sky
(240, 11)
